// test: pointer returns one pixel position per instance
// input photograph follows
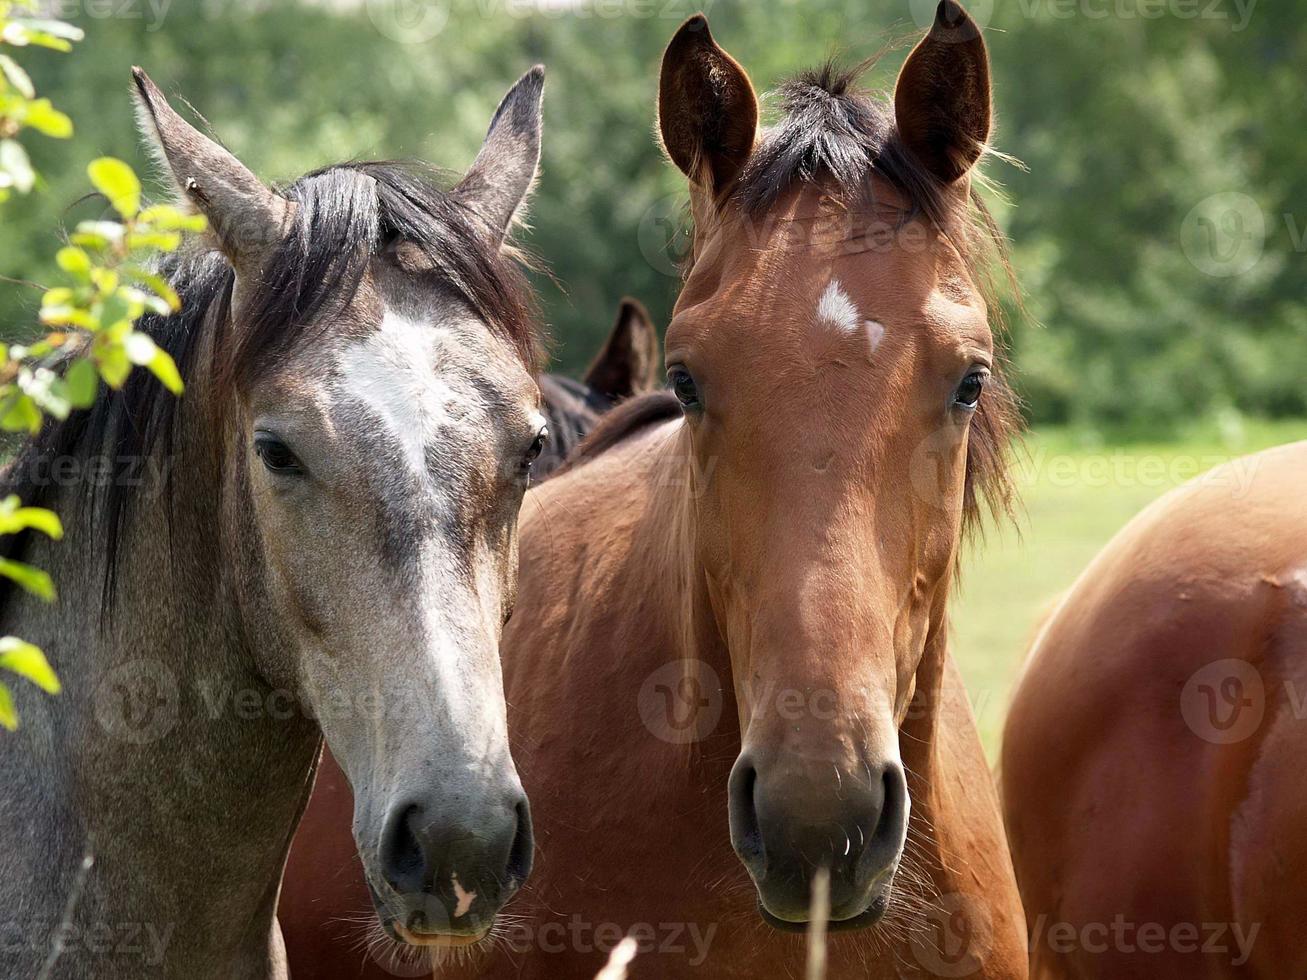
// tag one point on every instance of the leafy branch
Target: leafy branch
(90, 319)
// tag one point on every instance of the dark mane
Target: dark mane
(833, 133)
(631, 416)
(347, 215)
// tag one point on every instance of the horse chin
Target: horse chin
(865, 919)
(398, 928)
(435, 940)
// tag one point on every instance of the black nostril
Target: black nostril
(891, 827)
(745, 833)
(522, 853)
(402, 860)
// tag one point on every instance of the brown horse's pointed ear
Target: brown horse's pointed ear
(245, 217)
(500, 178)
(707, 109)
(942, 101)
(627, 364)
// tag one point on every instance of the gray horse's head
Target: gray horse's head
(379, 420)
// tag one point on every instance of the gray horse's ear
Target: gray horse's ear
(627, 364)
(942, 101)
(245, 217)
(707, 108)
(500, 178)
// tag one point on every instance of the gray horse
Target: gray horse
(319, 539)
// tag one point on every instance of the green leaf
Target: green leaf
(27, 660)
(164, 241)
(163, 367)
(45, 118)
(14, 162)
(83, 382)
(32, 579)
(114, 365)
(75, 262)
(8, 716)
(45, 388)
(14, 518)
(18, 78)
(19, 413)
(145, 352)
(118, 182)
(165, 217)
(157, 283)
(55, 28)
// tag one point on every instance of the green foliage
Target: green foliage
(1128, 124)
(19, 107)
(89, 319)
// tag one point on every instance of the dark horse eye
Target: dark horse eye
(276, 455)
(683, 387)
(536, 448)
(968, 393)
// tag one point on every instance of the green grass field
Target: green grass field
(1075, 494)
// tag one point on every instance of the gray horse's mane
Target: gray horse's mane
(347, 215)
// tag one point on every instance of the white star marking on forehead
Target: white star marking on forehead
(836, 309)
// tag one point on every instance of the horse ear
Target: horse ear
(707, 109)
(244, 215)
(942, 100)
(627, 364)
(505, 168)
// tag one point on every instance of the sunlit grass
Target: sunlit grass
(1077, 491)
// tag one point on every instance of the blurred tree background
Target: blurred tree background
(1159, 230)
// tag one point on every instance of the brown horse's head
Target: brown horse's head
(833, 355)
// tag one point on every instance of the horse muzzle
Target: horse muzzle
(791, 818)
(446, 870)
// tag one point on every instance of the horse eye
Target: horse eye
(683, 387)
(275, 454)
(536, 448)
(969, 392)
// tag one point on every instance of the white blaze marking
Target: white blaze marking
(465, 898)
(393, 372)
(835, 309)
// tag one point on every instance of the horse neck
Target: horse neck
(163, 700)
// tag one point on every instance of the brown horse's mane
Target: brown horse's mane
(630, 417)
(347, 216)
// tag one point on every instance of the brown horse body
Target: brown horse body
(728, 675)
(1152, 759)
(635, 841)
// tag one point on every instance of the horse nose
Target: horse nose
(788, 820)
(453, 871)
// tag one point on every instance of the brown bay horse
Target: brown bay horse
(1152, 767)
(728, 671)
(324, 877)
